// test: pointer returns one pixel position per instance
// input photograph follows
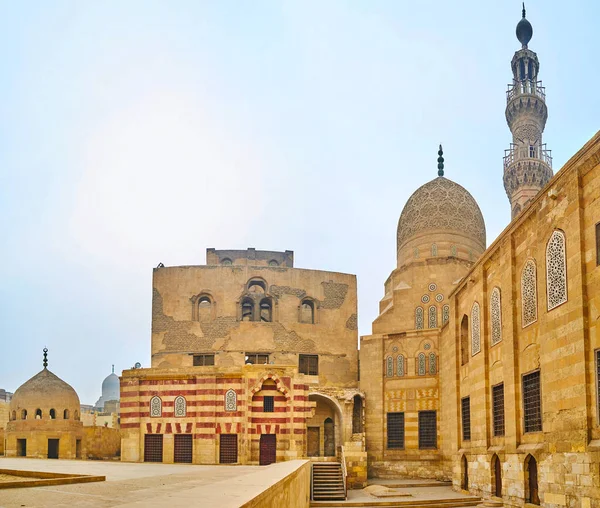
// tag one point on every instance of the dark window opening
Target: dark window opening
(532, 494)
(247, 310)
(21, 447)
(464, 340)
(497, 476)
(38, 414)
(266, 311)
(66, 414)
(273, 262)
(357, 411)
(204, 309)
(24, 414)
(53, 414)
(268, 404)
(598, 382)
(532, 402)
(307, 312)
(204, 360)
(464, 466)
(465, 404)
(78, 448)
(226, 262)
(257, 286)
(309, 364)
(427, 430)
(257, 358)
(498, 409)
(53, 448)
(395, 431)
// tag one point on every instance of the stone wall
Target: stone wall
(102, 442)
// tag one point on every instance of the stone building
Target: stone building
(44, 419)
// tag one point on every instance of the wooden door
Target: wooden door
(314, 442)
(497, 477)
(228, 449)
(153, 448)
(183, 448)
(534, 494)
(53, 448)
(268, 449)
(329, 438)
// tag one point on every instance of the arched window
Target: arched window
(475, 330)
(433, 250)
(432, 316)
(226, 262)
(66, 414)
(532, 494)
(464, 340)
(247, 309)
(155, 407)
(419, 324)
(528, 294)
(266, 310)
(231, 400)
(273, 262)
(389, 367)
(53, 414)
(357, 426)
(180, 406)
(24, 414)
(204, 309)
(432, 364)
(445, 314)
(421, 371)
(77, 415)
(556, 270)
(400, 365)
(496, 315)
(307, 312)
(257, 286)
(38, 414)
(13, 415)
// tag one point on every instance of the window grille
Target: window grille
(228, 449)
(257, 358)
(528, 294)
(475, 330)
(498, 409)
(231, 400)
(432, 364)
(204, 360)
(180, 406)
(389, 367)
(419, 319)
(445, 314)
(427, 430)
(496, 316)
(465, 405)
(153, 448)
(400, 366)
(268, 404)
(183, 448)
(532, 402)
(395, 431)
(421, 371)
(309, 364)
(556, 270)
(155, 406)
(432, 316)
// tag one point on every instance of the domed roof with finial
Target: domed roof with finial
(524, 30)
(111, 387)
(45, 391)
(441, 206)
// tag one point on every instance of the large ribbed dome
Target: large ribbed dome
(441, 206)
(111, 387)
(45, 391)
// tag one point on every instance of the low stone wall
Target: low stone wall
(102, 442)
(282, 484)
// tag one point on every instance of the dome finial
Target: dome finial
(440, 162)
(113, 368)
(524, 30)
(45, 357)
(523, 9)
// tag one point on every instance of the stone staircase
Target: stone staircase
(327, 482)
(433, 503)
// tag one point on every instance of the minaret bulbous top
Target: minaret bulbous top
(524, 30)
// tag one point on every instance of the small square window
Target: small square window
(466, 418)
(268, 404)
(309, 364)
(204, 360)
(257, 358)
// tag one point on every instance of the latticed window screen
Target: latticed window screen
(445, 314)
(498, 409)
(432, 363)
(496, 316)
(204, 360)
(427, 430)
(183, 448)
(465, 409)
(556, 270)
(475, 330)
(228, 449)
(434, 250)
(432, 316)
(421, 371)
(389, 367)
(155, 406)
(532, 402)
(309, 364)
(230, 400)
(419, 319)
(395, 431)
(268, 404)
(400, 365)
(180, 406)
(528, 294)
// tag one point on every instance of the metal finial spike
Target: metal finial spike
(440, 162)
(113, 368)
(523, 9)
(45, 357)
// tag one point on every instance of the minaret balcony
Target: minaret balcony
(518, 153)
(526, 87)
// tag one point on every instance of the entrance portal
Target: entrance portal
(183, 448)
(532, 494)
(314, 441)
(268, 449)
(465, 473)
(21, 447)
(153, 448)
(53, 448)
(497, 469)
(228, 449)
(329, 438)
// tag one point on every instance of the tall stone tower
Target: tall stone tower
(527, 163)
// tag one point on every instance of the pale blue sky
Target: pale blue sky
(139, 132)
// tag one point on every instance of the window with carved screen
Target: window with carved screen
(400, 365)
(475, 330)
(421, 368)
(556, 270)
(528, 294)
(389, 367)
(419, 319)
(496, 316)
(432, 364)
(445, 314)
(427, 430)
(395, 431)
(432, 316)
(231, 400)
(155, 407)
(180, 406)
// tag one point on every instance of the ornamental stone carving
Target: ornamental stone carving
(155, 407)
(231, 400)
(180, 406)
(441, 204)
(528, 294)
(556, 270)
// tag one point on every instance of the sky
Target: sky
(139, 132)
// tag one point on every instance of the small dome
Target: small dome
(440, 208)
(45, 391)
(111, 387)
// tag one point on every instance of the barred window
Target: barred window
(400, 365)
(465, 405)
(395, 431)
(498, 409)
(257, 358)
(475, 330)
(496, 316)
(419, 319)
(532, 402)
(445, 314)
(556, 270)
(528, 294)
(204, 360)
(427, 430)
(309, 364)
(421, 364)
(432, 316)
(389, 367)
(268, 404)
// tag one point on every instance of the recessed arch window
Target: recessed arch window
(66, 414)
(307, 311)
(53, 414)
(434, 250)
(13, 415)
(464, 340)
(556, 270)
(257, 286)
(421, 368)
(432, 316)
(204, 308)
(180, 405)
(38, 414)
(247, 309)
(432, 364)
(528, 294)
(155, 407)
(231, 400)
(226, 262)
(389, 367)
(273, 262)
(496, 315)
(475, 330)
(400, 365)
(24, 414)
(266, 310)
(419, 319)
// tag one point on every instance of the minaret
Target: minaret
(527, 163)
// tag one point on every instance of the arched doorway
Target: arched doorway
(465, 473)
(357, 410)
(496, 476)
(329, 438)
(324, 428)
(532, 494)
